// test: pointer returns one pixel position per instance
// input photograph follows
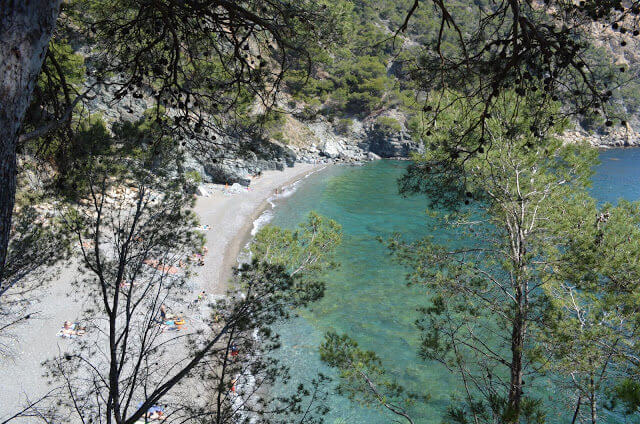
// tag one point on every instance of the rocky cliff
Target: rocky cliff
(237, 156)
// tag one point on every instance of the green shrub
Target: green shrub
(194, 176)
(387, 125)
(344, 126)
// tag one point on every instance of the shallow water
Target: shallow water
(367, 297)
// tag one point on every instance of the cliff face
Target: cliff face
(363, 140)
(237, 156)
(318, 143)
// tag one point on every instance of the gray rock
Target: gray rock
(396, 145)
(201, 191)
(331, 149)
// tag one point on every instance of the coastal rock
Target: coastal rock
(235, 157)
(395, 145)
(617, 137)
(373, 156)
(331, 148)
(201, 191)
(236, 188)
(229, 172)
(231, 157)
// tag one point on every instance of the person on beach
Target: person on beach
(155, 413)
(202, 296)
(179, 323)
(234, 351)
(67, 330)
(169, 325)
(163, 312)
(71, 330)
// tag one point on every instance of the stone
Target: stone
(331, 149)
(202, 192)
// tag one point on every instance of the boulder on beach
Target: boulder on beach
(201, 191)
(237, 188)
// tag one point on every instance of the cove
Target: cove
(367, 296)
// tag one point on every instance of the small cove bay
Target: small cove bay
(367, 296)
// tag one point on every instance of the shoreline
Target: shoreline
(244, 236)
(231, 217)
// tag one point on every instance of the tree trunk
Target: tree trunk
(26, 27)
(592, 399)
(520, 293)
(517, 349)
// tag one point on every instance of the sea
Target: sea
(367, 296)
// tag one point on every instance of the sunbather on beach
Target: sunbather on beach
(234, 351)
(158, 416)
(160, 266)
(155, 413)
(71, 330)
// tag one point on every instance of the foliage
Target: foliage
(498, 296)
(193, 176)
(388, 125)
(628, 391)
(589, 290)
(362, 376)
(344, 126)
(304, 250)
(89, 141)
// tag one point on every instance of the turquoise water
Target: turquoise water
(618, 175)
(367, 297)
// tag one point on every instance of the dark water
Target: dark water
(367, 297)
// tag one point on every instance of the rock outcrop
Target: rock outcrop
(618, 137)
(358, 141)
(396, 145)
(236, 157)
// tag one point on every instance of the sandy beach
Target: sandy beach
(229, 217)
